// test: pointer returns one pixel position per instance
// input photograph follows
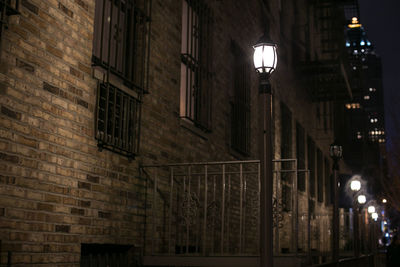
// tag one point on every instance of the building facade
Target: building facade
(102, 101)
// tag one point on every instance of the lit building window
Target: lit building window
(371, 89)
(366, 97)
(354, 68)
(353, 105)
(368, 43)
(347, 44)
(362, 43)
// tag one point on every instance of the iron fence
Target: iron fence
(203, 209)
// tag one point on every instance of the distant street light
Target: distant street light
(384, 200)
(265, 60)
(362, 199)
(371, 209)
(335, 152)
(374, 216)
(355, 185)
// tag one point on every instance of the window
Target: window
(7, 8)
(195, 92)
(320, 175)
(300, 155)
(311, 164)
(120, 54)
(108, 255)
(286, 140)
(240, 106)
(120, 40)
(118, 114)
(286, 197)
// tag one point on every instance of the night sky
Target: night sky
(381, 21)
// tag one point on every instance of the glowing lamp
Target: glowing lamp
(371, 209)
(355, 185)
(265, 57)
(361, 199)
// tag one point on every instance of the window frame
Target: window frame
(121, 73)
(196, 64)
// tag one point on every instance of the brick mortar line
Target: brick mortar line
(12, 35)
(51, 143)
(86, 83)
(76, 179)
(69, 214)
(73, 113)
(69, 129)
(85, 18)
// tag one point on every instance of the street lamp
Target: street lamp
(362, 199)
(335, 152)
(375, 216)
(371, 209)
(355, 186)
(265, 60)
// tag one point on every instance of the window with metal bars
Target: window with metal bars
(320, 175)
(120, 53)
(118, 116)
(240, 106)
(195, 89)
(120, 41)
(301, 157)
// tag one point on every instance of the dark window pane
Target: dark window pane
(196, 64)
(311, 164)
(240, 106)
(300, 154)
(320, 174)
(286, 140)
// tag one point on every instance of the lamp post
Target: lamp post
(372, 212)
(265, 59)
(355, 186)
(335, 152)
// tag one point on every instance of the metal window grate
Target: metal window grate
(240, 107)
(196, 63)
(118, 117)
(121, 40)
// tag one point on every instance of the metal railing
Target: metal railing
(203, 209)
(363, 261)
